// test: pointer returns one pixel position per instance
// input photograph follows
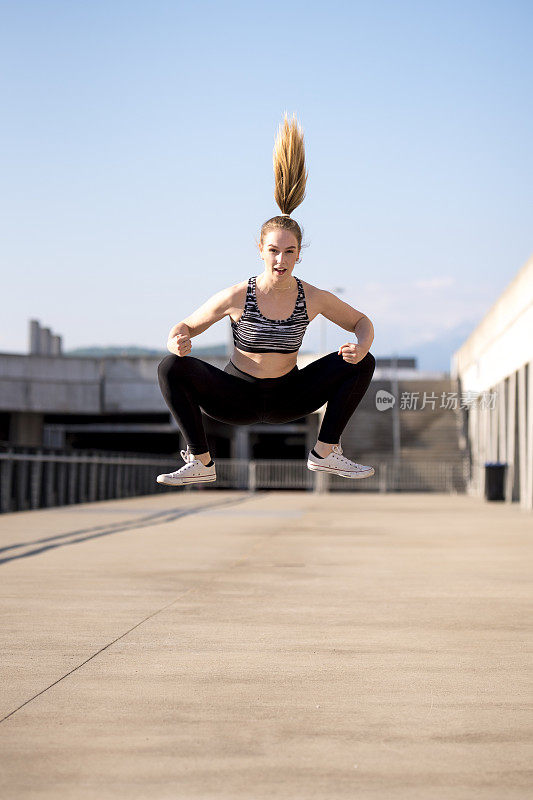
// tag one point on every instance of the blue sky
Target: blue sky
(137, 161)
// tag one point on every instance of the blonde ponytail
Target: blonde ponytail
(290, 178)
(290, 174)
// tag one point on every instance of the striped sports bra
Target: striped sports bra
(255, 333)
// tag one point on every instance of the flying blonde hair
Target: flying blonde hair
(290, 177)
(290, 174)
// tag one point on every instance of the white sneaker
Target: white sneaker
(338, 464)
(193, 472)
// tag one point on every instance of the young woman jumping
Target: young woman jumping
(269, 315)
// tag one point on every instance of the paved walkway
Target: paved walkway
(207, 644)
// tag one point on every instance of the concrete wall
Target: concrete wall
(58, 384)
(32, 386)
(497, 359)
(49, 384)
(503, 341)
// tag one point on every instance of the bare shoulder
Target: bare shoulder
(236, 296)
(313, 299)
(322, 301)
(222, 303)
(238, 288)
(233, 298)
(225, 298)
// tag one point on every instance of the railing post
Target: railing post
(23, 468)
(321, 482)
(6, 485)
(82, 482)
(49, 484)
(110, 491)
(118, 480)
(35, 483)
(72, 482)
(93, 471)
(383, 477)
(252, 476)
(62, 468)
(63, 478)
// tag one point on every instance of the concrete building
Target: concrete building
(113, 403)
(42, 341)
(494, 369)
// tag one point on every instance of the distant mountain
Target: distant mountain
(434, 355)
(95, 351)
(139, 352)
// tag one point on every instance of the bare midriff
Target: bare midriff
(264, 365)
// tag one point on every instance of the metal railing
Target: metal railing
(42, 480)
(38, 479)
(389, 476)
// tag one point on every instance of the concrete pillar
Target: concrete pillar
(475, 486)
(311, 431)
(46, 335)
(522, 443)
(485, 446)
(528, 499)
(502, 438)
(470, 487)
(493, 429)
(485, 415)
(55, 346)
(26, 429)
(54, 436)
(35, 337)
(319, 417)
(240, 444)
(511, 419)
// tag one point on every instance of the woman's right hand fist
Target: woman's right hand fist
(180, 345)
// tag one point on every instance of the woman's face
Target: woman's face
(279, 252)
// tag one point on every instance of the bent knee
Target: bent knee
(366, 365)
(369, 361)
(167, 365)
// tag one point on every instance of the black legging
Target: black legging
(230, 395)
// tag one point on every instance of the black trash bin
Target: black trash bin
(495, 481)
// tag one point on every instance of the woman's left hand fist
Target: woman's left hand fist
(352, 353)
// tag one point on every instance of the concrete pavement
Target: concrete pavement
(209, 644)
